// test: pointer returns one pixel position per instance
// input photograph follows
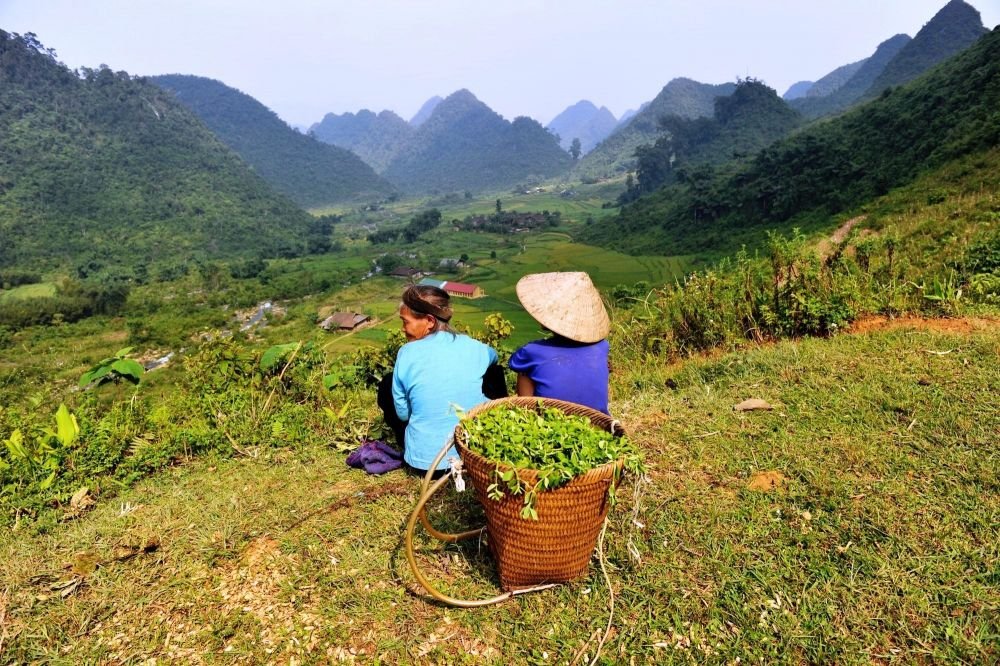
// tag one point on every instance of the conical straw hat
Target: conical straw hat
(565, 303)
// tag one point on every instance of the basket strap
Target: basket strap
(425, 485)
(434, 592)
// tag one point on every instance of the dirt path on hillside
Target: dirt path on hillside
(826, 246)
(963, 325)
(874, 324)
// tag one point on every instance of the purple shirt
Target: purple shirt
(566, 370)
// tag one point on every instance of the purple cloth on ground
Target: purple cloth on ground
(375, 457)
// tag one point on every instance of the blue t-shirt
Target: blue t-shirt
(433, 376)
(566, 370)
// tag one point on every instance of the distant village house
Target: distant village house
(451, 264)
(343, 321)
(456, 288)
(407, 272)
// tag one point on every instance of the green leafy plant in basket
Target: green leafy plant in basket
(557, 446)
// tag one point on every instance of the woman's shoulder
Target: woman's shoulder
(559, 343)
(441, 338)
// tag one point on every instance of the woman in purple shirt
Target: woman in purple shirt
(571, 365)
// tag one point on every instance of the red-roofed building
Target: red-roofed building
(456, 288)
(464, 290)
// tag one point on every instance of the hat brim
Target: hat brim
(566, 303)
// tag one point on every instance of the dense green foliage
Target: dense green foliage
(465, 145)
(230, 401)
(826, 169)
(419, 224)
(944, 260)
(681, 97)
(508, 222)
(750, 119)
(374, 138)
(556, 445)
(105, 168)
(14, 278)
(308, 171)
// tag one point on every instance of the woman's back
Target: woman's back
(566, 370)
(432, 378)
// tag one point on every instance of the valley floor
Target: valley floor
(876, 538)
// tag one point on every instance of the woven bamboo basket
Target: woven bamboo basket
(557, 547)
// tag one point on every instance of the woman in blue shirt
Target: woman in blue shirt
(437, 372)
(571, 365)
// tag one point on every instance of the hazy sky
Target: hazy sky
(305, 58)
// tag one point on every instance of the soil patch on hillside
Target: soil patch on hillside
(959, 325)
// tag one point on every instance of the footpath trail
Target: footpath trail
(941, 324)
(867, 543)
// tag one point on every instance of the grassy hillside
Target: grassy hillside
(871, 544)
(465, 145)
(616, 154)
(850, 524)
(306, 170)
(826, 169)
(104, 167)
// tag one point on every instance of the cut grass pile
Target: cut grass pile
(875, 538)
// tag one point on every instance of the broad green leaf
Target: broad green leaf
(275, 354)
(15, 445)
(122, 353)
(94, 374)
(48, 481)
(67, 428)
(129, 369)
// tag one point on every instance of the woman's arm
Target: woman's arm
(525, 387)
(399, 398)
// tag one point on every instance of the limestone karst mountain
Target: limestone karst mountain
(465, 145)
(375, 138)
(583, 121)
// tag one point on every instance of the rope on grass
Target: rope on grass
(611, 591)
(611, 595)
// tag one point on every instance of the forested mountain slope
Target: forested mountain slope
(465, 145)
(953, 110)
(681, 97)
(310, 172)
(106, 165)
(375, 138)
(856, 86)
(743, 123)
(838, 77)
(901, 59)
(954, 28)
(426, 109)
